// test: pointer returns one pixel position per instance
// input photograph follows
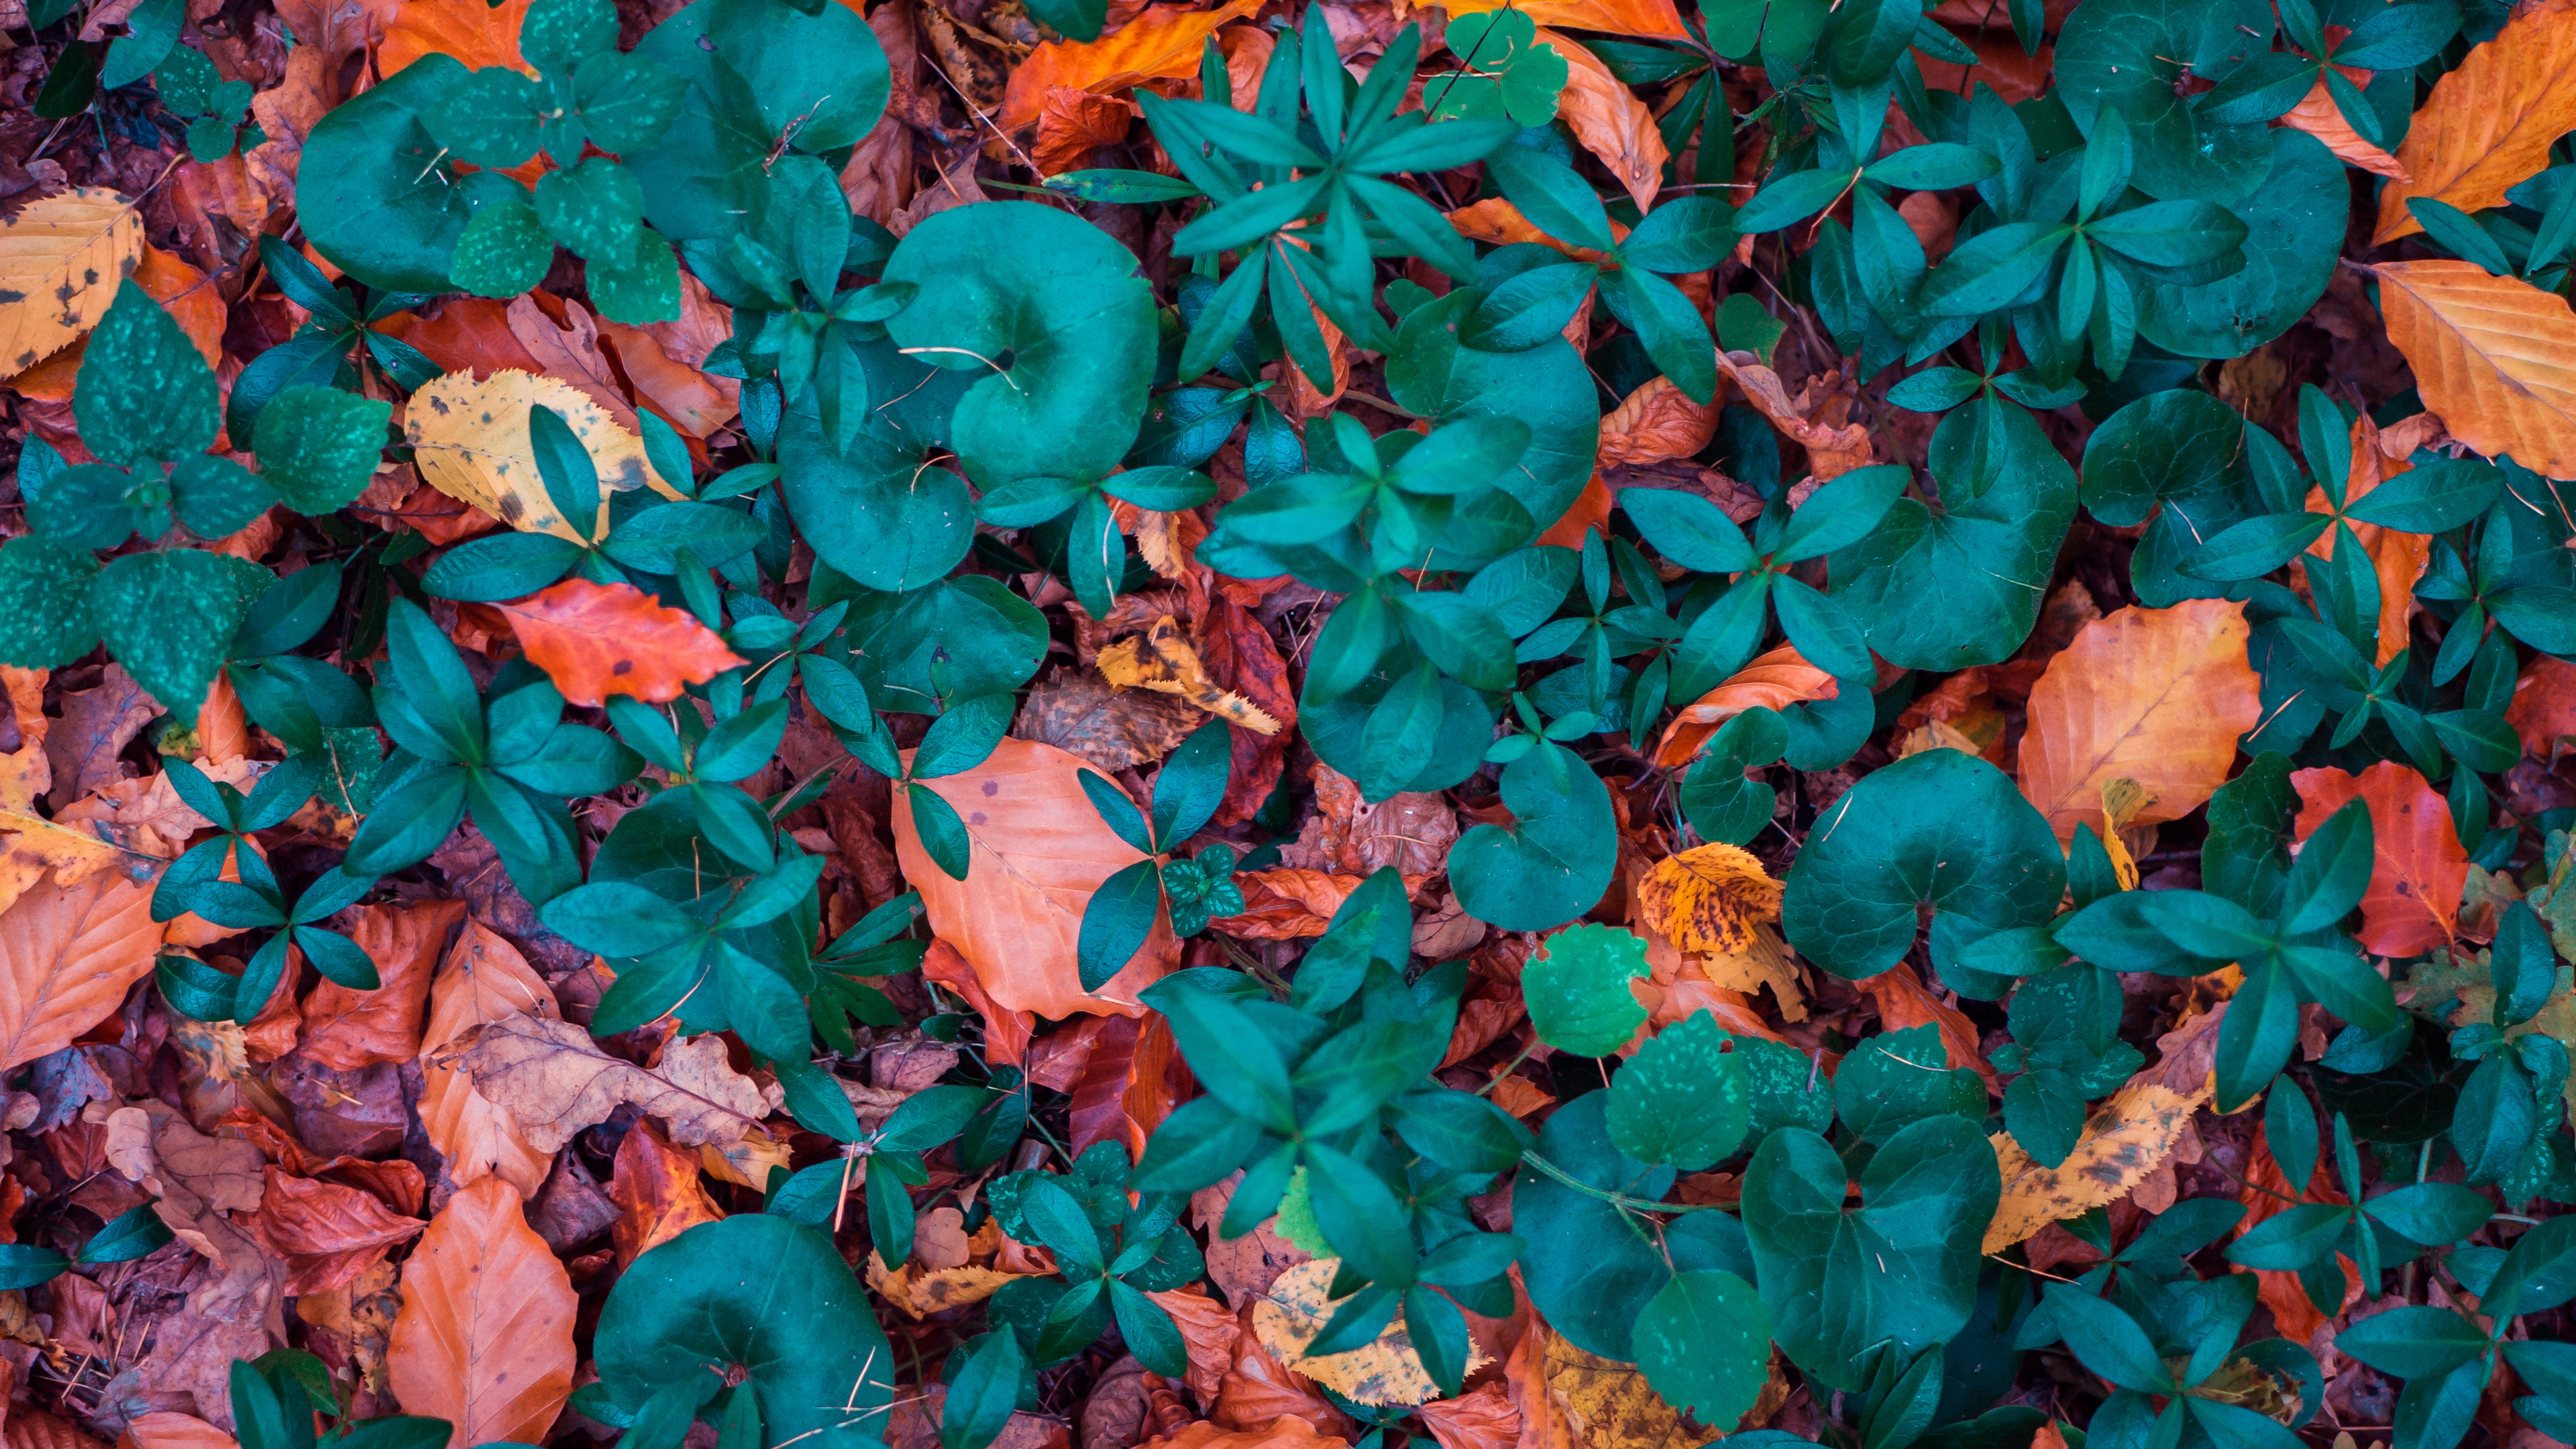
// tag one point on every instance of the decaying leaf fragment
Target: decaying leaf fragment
(61, 258)
(2128, 1138)
(1163, 660)
(1710, 898)
(556, 1081)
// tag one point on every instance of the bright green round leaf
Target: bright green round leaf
(1704, 1344)
(503, 251)
(1682, 1099)
(1578, 993)
(369, 189)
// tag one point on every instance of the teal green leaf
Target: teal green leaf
(144, 392)
(169, 618)
(1578, 993)
(1682, 1099)
(319, 446)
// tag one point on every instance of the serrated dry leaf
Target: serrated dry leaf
(551, 1077)
(67, 955)
(1812, 420)
(2494, 356)
(1039, 850)
(1411, 830)
(2418, 867)
(595, 640)
(484, 1339)
(2128, 1137)
(1710, 898)
(484, 979)
(2156, 696)
(2489, 124)
(1386, 1373)
(471, 442)
(326, 1234)
(61, 258)
(1775, 680)
(1570, 1399)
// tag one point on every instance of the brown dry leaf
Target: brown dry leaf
(484, 1340)
(1482, 1418)
(1609, 120)
(568, 351)
(698, 404)
(67, 955)
(472, 445)
(1654, 424)
(2128, 1137)
(1833, 448)
(1285, 903)
(2494, 356)
(1163, 43)
(97, 724)
(167, 1430)
(1710, 898)
(1904, 1001)
(1387, 1373)
(1210, 1330)
(1775, 680)
(1570, 1399)
(2158, 696)
(470, 30)
(36, 845)
(595, 640)
(324, 1233)
(1655, 18)
(921, 1292)
(1767, 962)
(485, 979)
(1039, 850)
(1078, 712)
(658, 1193)
(549, 1075)
(1072, 123)
(26, 772)
(2320, 116)
(1284, 1432)
(347, 1030)
(61, 259)
(2418, 867)
(1411, 830)
(2489, 123)
(2543, 711)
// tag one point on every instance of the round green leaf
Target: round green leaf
(1704, 1344)
(319, 446)
(2294, 223)
(1547, 387)
(369, 189)
(1578, 994)
(1682, 1099)
(1558, 857)
(2128, 55)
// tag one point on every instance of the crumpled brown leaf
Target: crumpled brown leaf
(556, 1081)
(346, 1029)
(1348, 835)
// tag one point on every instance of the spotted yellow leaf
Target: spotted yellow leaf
(1710, 898)
(1163, 661)
(1385, 1374)
(2129, 1137)
(61, 258)
(470, 440)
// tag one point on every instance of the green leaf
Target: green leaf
(169, 619)
(374, 201)
(1938, 829)
(2294, 220)
(503, 251)
(25, 1265)
(45, 617)
(1704, 1344)
(1682, 1099)
(1555, 862)
(319, 446)
(1578, 993)
(2413, 1342)
(144, 392)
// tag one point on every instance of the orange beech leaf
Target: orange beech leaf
(2544, 705)
(2321, 117)
(1482, 1418)
(325, 1233)
(1655, 423)
(475, 33)
(1616, 17)
(484, 1339)
(1006, 1033)
(1039, 850)
(696, 403)
(1775, 680)
(1834, 447)
(2418, 867)
(2489, 124)
(2397, 557)
(167, 1430)
(657, 1190)
(348, 1030)
(1286, 903)
(2153, 695)
(188, 295)
(595, 640)
(485, 979)
(1588, 513)
(1161, 44)
(2494, 356)
(1609, 120)
(1072, 122)
(1904, 1002)
(2001, 66)
(1496, 220)
(68, 953)
(1210, 1330)
(1284, 1432)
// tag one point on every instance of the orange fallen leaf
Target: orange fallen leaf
(1496, 220)
(1609, 120)
(2489, 123)
(68, 954)
(1482, 1418)
(1709, 898)
(167, 1430)
(1904, 1002)
(324, 1232)
(484, 1339)
(2543, 711)
(2267, 1194)
(1775, 680)
(657, 1190)
(1588, 513)
(1656, 423)
(1833, 447)
(188, 295)
(1286, 903)
(2321, 116)
(595, 640)
(350, 1030)
(1072, 122)
(2001, 66)
(476, 34)
(2397, 557)
(1039, 850)
(2494, 356)
(1655, 18)
(2418, 867)
(484, 979)
(1163, 43)
(2158, 696)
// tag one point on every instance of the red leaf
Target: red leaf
(595, 640)
(2418, 867)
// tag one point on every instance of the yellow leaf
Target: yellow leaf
(1163, 661)
(921, 1291)
(1581, 1399)
(2489, 124)
(2494, 356)
(472, 445)
(1387, 1373)
(2156, 696)
(2128, 1138)
(1710, 897)
(1766, 962)
(61, 258)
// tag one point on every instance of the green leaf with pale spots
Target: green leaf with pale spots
(143, 391)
